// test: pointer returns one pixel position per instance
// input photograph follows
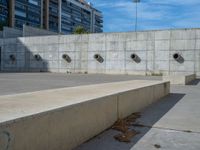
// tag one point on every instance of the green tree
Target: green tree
(80, 30)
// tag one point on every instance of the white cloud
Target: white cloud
(152, 14)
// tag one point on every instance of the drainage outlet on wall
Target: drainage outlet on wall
(99, 58)
(135, 58)
(178, 58)
(67, 58)
(12, 58)
(37, 57)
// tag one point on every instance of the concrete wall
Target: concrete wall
(154, 48)
(180, 79)
(1, 34)
(31, 31)
(61, 119)
(11, 32)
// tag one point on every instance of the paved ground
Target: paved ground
(11, 83)
(173, 123)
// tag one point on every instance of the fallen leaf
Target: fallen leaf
(126, 137)
(157, 146)
(120, 125)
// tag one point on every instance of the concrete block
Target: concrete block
(136, 100)
(115, 45)
(161, 65)
(141, 45)
(150, 55)
(133, 66)
(96, 37)
(115, 65)
(142, 36)
(182, 44)
(9, 48)
(96, 65)
(187, 66)
(70, 47)
(183, 34)
(162, 45)
(150, 45)
(180, 79)
(130, 36)
(150, 66)
(197, 33)
(32, 31)
(198, 44)
(51, 55)
(161, 55)
(37, 64)
(96, 46)
(131, 45)
(162, 35)
(61, 119)
(66, 65)
(115, 56)
(52, 64)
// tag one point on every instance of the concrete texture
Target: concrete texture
(64, 118)
(32, 31)
(11, 33)
(154, 48)
(173, 123)
(182, 79)
(12, 83)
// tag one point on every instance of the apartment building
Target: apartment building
(4, 12)
(65, 15)
(55, 15)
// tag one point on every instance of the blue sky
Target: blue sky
(119, 15)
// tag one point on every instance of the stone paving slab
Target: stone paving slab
(13, 83)
(146, 140)
(173, 123)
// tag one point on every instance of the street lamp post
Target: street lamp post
(136, 13)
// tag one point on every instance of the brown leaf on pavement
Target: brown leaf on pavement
(126, 137)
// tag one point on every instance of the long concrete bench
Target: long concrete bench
(62, 119)
(180, 79)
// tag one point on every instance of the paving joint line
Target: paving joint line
(163, 128)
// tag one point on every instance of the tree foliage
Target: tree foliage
(80, 30)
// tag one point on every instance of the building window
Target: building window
(34, 2)
(20, 13)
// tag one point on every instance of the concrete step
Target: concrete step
(64, 118)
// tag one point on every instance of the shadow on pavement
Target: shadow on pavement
(150, 116)
(195, 82)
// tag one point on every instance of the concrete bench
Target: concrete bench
(62, 119)
(180, 79)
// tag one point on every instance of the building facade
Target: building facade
(4, 12)
(65, 15)
(55, 15)
(27, 12)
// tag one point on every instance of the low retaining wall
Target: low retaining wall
(62, 119)
(180, 79)
(159, 52)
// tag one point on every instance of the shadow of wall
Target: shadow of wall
(17, 57)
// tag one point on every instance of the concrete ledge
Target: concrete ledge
(180, 79)
(64, 118)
